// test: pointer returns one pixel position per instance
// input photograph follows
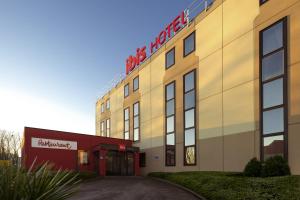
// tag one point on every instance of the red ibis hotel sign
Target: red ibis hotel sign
(53, 144)
(170, 30)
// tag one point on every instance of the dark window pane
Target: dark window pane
(170, 107)
(170, 91)
(189, 81)
(126, 90)
(189, 100)
(189, 118)
(190, 155)
(189, 44)
(273, 93)
(136, 135)
(136, 122)
(170, 58)
(273, 65)
(272, 38)
(135, 83)
(273, 146)
(170, 124)
(136, 109)
(170, 157)
(273, 121)
(171, 139)
(189, 137)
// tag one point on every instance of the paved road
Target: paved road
(130, 188)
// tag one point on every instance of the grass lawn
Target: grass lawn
(234, 186)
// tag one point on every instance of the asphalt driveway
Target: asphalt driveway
(130, 188)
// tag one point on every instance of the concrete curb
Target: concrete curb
(179, 186)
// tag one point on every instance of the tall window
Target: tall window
(126, 90)
(136, 83)
(83, 157)
(170, 58)
(107, 104)
(102, 128)
(273, 87)
(189, 44)
(189, 102)
(170, 124)
(136, 121)
(108, 128)
(126, 124)
(102, 107)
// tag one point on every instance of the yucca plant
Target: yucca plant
(40, 183)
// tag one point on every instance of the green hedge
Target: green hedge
(235, 186)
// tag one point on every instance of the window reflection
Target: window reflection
(190, 155)
(273, 93)
(273, 146)
(170, 124)
(189, 44)
(272, 38)
(273, 121)
(189, 138)
(273, 65)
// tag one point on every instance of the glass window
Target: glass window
(102, 107)
(108, 104)
(102, 129)
(189, 44)
(136, 83)
(170, 155)
(273, 65)
(170, 58)
(189, 83)
(82, 157)
(126, 126)
(136, 122)
(171, 139)
(126, 114)
(189, 100)
(190, 155)
(170, 91)
(273, 93)
(273, 121)
(126, 90)
(262, 1)
(189, 137)
(136, 134)
(108, 128)
(272, 38)
(273, 146)
(136, 109)
(170, 124)
(189, 118)
(170, 107)
(126, 135)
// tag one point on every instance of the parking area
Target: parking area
(130, 188)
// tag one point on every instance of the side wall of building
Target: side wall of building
(226, 60)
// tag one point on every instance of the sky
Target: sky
(58, 56)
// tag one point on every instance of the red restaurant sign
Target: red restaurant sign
(141, 53)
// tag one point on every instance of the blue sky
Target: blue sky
(56, 56)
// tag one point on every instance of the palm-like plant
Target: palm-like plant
(36, 184)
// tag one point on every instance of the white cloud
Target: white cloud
(18, 110)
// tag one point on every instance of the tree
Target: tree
(10, 145)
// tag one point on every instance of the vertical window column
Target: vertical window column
(102, 128)
(108, 128)
(189, 102)
(273, 87)
(170, 124)
(136, 121)
(126, 124)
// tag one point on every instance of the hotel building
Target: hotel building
(224, 89)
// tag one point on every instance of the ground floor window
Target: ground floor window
(82, 157)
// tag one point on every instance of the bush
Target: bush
(275, 166)
(253, 168)
(39, 183)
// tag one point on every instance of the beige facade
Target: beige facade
(227, 62)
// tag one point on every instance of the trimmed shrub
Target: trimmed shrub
(253, 168)
(275, 166)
